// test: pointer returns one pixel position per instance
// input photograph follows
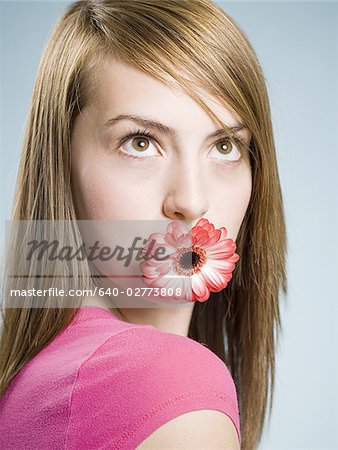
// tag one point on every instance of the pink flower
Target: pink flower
(200, 261)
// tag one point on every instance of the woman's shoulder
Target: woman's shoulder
(142, 346)
(169, 353)
(140, 378)
(149, 353)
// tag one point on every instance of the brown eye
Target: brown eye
(140, 144)
(226, 151)
(224, 146)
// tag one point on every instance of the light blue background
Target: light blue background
(296, 43)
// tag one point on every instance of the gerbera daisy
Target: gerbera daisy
(200, 261)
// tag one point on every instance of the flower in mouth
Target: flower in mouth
(200, 261)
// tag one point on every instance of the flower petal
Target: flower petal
(199, 288)
(223, 265)
(213, 278)
(221, 248)
(176, 229)
(201, 222)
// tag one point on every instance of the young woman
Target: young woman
(165, 73)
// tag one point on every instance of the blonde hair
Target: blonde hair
(197, 46)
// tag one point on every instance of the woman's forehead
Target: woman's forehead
(122, 89)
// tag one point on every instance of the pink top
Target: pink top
(104, 383)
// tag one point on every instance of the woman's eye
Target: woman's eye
(139, 147)
(226, 150)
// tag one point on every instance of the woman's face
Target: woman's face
(178, 172)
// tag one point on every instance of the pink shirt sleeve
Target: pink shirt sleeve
(138, 380)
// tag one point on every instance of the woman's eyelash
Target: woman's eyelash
(146, 133)
(137, 133)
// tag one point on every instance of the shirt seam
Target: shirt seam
(78, 372)
(86, 319)
(156, 409)
(75, 321)
(80, 321)
(127, 435)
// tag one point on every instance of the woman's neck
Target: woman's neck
(169, 319)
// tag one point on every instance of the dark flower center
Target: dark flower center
(189, 260)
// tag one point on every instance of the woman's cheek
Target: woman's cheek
(230, 207)
(241, 201)
(110, 194)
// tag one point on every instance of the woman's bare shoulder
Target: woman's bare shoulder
(202, 429)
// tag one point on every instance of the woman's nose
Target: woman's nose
(186, 197)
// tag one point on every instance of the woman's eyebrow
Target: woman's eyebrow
(150, 123)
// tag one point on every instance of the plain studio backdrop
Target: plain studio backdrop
(297, 45)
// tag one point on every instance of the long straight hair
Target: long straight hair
(197, 46)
